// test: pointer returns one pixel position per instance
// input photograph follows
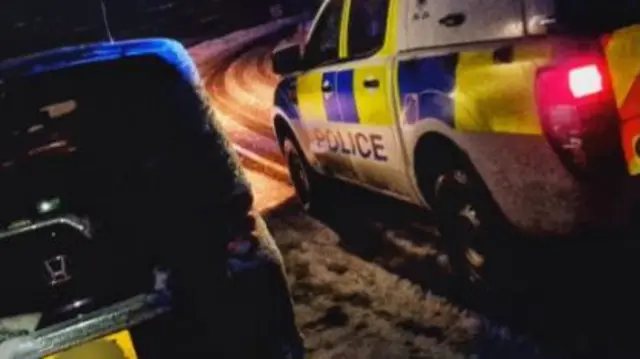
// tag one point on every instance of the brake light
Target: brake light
(585, 81)
(578, 113)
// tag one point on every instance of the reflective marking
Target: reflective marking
(367, 146)
(310, 97)
(346, 100)
(114, 346)
(331, 100)
(92, 326)
(286, 98)
(392, 33)
(373, 104)
(497, 97)
(631, 105)
(470, 91)
(623, 56)
(429, 81)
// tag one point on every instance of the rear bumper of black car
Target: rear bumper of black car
(133, 315)
(155, 331)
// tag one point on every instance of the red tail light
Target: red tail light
(578, 112)
(585, 81)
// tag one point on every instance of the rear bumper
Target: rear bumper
(540, 196)
(158, 331)
(129, 315)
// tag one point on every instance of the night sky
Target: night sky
(28, 26)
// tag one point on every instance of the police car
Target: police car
(494, 114)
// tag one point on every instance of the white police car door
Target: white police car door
(365, 90)
(442, 23)
(318, 94)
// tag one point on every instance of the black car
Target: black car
(125, 222)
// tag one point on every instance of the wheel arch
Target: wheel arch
(284, 127)
(431, 149)
(282, 130)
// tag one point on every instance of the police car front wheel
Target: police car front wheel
(300, 172)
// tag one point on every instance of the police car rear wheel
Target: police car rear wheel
(300, 173)
(462, 222)
(471, 229)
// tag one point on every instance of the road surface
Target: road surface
(242, 92)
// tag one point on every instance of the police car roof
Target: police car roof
(170, 51)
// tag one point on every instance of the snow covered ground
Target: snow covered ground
(351, 307)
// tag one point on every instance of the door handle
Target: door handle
(504, 55)
(371, 83)
(327, 87)
(453, 20)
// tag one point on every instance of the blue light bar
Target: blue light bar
(170, 51)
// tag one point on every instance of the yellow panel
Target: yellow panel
(539, 54)
(115, 346)
(310, 97)
(391, 39)
(344, 31)
(372, 104)
(623, 54)
(494, 97)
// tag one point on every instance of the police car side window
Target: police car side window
(367, 26)
(324, 42)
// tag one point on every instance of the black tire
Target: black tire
(305, 180)
(472, 227)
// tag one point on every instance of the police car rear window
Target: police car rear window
(595, 16)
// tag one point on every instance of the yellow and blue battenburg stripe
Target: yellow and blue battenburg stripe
(348, 111)
(339, 105)
(484, 90)
(310, 98)
(429, 81)
(331, 100)
(480, 90)
(286, 98)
